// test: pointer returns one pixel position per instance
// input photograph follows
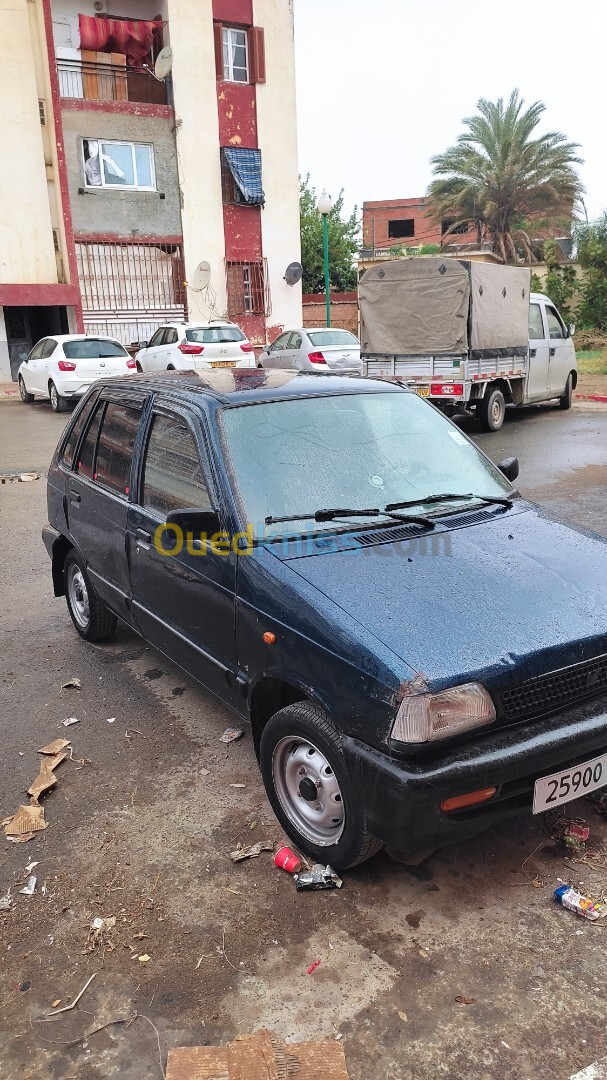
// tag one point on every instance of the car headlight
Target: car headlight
(427, 717)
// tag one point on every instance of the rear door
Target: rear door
(561, 351)
(183, 596)
(98, 492)
(539, 353)
(168, 353)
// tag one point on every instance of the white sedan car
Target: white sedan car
(64, 366)
(197, 346)
(314, 349)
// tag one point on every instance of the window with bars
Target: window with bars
(248, 288)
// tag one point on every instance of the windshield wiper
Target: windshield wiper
(343, 512)
(449, 497)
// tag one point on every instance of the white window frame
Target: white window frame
(228, 45)
(132, 145)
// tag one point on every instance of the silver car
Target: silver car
(314, 349)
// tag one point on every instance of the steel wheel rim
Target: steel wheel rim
(54, 396)
(496, 410)
(78, 596)
(299, 769)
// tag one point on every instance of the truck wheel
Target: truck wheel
(565, 399)
(491, 409)
(92, 619)
(307, 783)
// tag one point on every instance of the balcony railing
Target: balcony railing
(109, 82)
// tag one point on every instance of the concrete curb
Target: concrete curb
(591, 397)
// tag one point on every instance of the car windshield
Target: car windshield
(297, 456)
(92, 349)
(209, 335)
(333, 337)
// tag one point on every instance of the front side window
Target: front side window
(36, 352)
(171, 336)
(156, 339)
(280, 343)
(118, 164)
(235, 55)
(536, 326)
(115, 448)
(172, 476)
(555, 326)
(78, 427)
(375, 449)
(93, 349)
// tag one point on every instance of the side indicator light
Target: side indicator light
(269, 638)
(471, 798)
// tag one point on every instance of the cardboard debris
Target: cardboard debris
(46, 777)
(258, 1057)
(69, 720)
(251, 852)
(26, 821)
(54, 747)
(231, 734)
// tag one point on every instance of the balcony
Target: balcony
(93, 81)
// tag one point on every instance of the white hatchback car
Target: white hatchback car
(314, 349)
(64, 366)
(197, 346)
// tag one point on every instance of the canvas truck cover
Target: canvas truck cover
(415, 307)
(438, 306)
(499, 302)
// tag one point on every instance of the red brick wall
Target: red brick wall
(376, 216)
(344, 310)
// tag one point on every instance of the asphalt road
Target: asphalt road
(142, 820)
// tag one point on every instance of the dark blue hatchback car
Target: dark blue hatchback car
(420, 652)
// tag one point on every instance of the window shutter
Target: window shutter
(218, 34)
(257, 54)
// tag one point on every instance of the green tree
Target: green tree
(560, 283)
(344, 239)
(502, 173)
(592, 255)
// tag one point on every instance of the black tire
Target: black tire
(25, 396)
(170, 367)
(92, 619)
(491, 409)
(139, 368)
(303, 730)
(566, 398)
(58, 403)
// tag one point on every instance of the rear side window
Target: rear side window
(172, 477)
(92, 349)
(170, 337)
(116, 444)
(69, 448)
(536, 326)
(86, 457)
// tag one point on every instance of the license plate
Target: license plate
(422, 391)
(223, 363)
(562, 787)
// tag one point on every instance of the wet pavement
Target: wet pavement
(141, 824)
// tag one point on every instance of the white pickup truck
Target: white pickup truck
(469, 336)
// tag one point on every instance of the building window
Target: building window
(241, 176)
(459, 230)
(247, 286)
(400, 228)
(235, 55)
(118, 164)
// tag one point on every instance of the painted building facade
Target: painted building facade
(133, 182)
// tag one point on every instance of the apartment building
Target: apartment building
(121, 184)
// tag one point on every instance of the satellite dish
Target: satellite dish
(293, 273)
(201, 276)
(164, 63)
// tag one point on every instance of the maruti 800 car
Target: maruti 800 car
(420, 651)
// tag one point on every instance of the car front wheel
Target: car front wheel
(308, 785)
(58, 403)
(25, 396)
(92, 619)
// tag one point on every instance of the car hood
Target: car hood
(501, 601)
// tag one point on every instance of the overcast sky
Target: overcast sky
(383, 85)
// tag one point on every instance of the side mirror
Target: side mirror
(509, 467)
(195, 521)
(143, 344)
(571, 329)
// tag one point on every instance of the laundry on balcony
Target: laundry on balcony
(131, 37)
(245, 167)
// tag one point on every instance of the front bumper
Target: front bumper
(401, 797)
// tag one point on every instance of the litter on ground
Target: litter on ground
(231, 734)
(258, 1057)
(251, 852)
(318, 877)
(72, 684)
(69, 720)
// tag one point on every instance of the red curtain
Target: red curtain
(133, 37)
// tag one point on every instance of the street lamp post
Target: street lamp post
(324, 207)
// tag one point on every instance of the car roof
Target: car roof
(329, 329)
(79, 337)
(236, 386)
(199, 325)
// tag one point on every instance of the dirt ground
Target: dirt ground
(140, 826)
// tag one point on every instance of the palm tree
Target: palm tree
(501, 174)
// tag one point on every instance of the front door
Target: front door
(184, 600)
(539, 354)
(561, 352)
(275, 357)
(97, 496)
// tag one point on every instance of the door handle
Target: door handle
(141, 534)
(532, 352)
(74, 496)
(552, 352)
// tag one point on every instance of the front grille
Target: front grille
(550, 692)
